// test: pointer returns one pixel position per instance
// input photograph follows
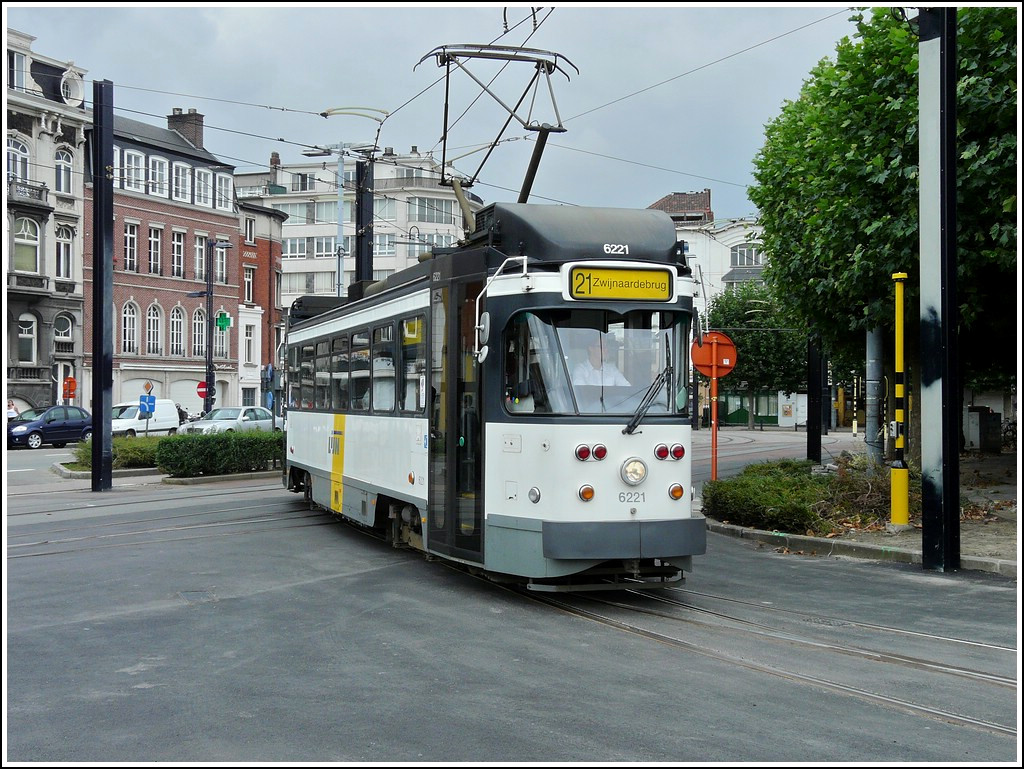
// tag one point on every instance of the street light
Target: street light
(211, 245)
(340, 148)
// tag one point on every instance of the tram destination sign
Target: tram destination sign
(589, 282)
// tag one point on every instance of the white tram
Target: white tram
(517, 404)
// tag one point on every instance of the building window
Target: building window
(250, 275)
(156, 244)
(154, 331)
(250, 230)
(293, 248)
(26, 245)
(181, 183)
(63, 341)
(130, 329)
(27, 329)
(17, 159)
(17, 69)
(327, 212)
(62, 167)
(131, 247)
(134, 171)
(248, 396)
(324, 247)
(383, 244)
(250, 343)
(222, 265)
(224, 197)
(200, 252)
(65, 251)
(158, 177)
(303, 182)
(199, 333)
(430, 241)
(220, 342)
(385, 208)
(745, 255)
(178, 254)
(204, 187)
(434, 210)
(177, 332)
(298, 213)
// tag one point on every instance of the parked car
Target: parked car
(229, 419)
(127, 419)
(56, 425)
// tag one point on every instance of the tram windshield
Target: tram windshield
(571, 361)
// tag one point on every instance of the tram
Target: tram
(517, 404)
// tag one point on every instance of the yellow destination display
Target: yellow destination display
(617, 283)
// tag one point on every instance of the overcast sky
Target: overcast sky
(666, 99)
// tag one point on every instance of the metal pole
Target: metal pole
(208, 400)
(103, 284)
(899, 484)
(340, 245)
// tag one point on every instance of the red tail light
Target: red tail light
(677, 451)
(582, 452)
(661, 451)
(600, 451)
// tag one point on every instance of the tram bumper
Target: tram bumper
(666, 540)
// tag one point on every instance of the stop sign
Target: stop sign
(201, 390)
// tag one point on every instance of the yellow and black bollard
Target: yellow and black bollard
(899, 480)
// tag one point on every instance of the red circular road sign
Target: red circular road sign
(201, 389)
(716, 357)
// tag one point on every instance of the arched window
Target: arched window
(27, 332)
(745, 255)
(177, 331)
(199, 333)
(65, 251)
(17, 159)
(130, 329)
(154, 331)
(26, 245)
(63, 166)
(63, 326)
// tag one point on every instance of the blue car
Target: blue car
(56, 425)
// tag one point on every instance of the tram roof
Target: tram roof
(569, 233)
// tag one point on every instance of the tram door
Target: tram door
(455, 497)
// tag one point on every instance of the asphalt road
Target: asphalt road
(226, 623)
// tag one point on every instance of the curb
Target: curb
(63, 472)
(837, 547)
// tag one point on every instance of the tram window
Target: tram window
(413, 366)
(292, 381)
(339, 373)
(306, 363)
(383, 369)
(359, 371)
(322, 374)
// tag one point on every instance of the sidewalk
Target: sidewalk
(989, 539)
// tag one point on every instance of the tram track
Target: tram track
(706, 650)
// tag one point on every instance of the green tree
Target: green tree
(770, 354)
(837, 189)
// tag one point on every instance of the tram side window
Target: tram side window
(292, 380)
(359, 371)
(322, 374)
(383, 369)
(412, 385)
(307, 356)
(339, 373)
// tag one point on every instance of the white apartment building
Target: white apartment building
(412, 214)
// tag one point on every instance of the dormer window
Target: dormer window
(72, 89)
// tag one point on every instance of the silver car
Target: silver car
(230, 419)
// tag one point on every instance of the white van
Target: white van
(126, 419)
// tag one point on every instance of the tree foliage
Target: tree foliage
(770, 353)
(837, 186)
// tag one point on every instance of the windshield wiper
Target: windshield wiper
(652, 392)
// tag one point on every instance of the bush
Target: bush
(786, 496)
(188, 456)
(125, 452)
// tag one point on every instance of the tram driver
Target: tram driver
(598, 368)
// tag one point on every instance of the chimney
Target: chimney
(275, 160)
(189, 125)
(415, 150)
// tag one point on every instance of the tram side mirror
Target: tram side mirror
(483, 331)
(482, 354)
(697, 335)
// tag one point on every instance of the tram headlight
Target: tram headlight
(634, 471)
